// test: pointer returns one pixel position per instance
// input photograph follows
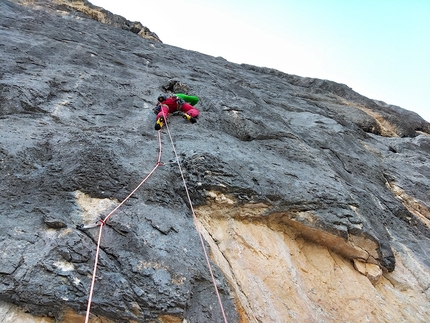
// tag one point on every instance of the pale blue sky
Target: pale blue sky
(379, 48)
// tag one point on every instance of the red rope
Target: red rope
(196, 222)
(103, 222)
(94, 275)
(141, 183)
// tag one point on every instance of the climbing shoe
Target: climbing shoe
(189, 118)
(159, 123)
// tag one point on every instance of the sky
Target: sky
(379, 48)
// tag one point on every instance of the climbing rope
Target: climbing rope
(196, 223)
(101, 223)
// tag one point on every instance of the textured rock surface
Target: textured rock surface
(313, 200)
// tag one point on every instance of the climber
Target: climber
(178, 102)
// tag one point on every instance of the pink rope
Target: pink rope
(141, 183)
(196, 221)
(93, 281)
(102, 223)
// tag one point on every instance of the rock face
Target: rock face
(313, 201)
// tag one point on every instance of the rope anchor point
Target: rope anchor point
(84, 227)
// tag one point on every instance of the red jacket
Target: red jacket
(172, 103)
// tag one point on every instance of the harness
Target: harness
(179, 102)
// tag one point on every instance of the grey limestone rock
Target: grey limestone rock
(76, 99)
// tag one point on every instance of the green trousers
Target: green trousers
(191, 99)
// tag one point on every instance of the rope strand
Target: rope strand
(93, 280)
(141, 183)
(196, 223)
(103, 222)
